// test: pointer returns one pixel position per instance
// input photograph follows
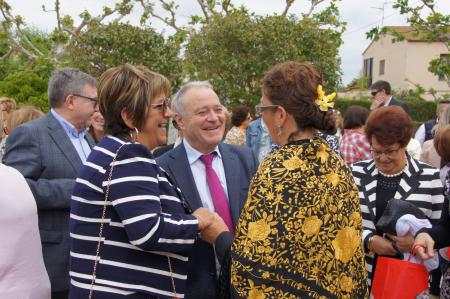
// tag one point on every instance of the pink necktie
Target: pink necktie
(217, 193)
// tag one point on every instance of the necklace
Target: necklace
(394, 174)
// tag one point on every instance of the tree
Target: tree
(22, 79)
(104, 46)
(434, 26)
(14, 28)
(233, 48)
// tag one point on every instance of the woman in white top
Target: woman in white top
(22, 270)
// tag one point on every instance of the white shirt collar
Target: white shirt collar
(193, 155)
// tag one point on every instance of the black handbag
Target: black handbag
(395, 209)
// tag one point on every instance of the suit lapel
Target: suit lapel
(369, 187)
(232, 175)
(182, 174)
(63, 142)
(409, 182)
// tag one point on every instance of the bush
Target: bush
(421, 111)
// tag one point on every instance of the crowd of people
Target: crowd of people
(297, 203)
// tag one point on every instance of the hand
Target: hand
(426, 240)
(377, 102)
(205, 217)
(217, 227)
(382, 246)
(404, 244)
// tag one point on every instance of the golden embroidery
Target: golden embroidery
(301, 219)
(346, 283)
(346, 242)
(311, 226)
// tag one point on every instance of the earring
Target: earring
(131, 135)
(279, 130)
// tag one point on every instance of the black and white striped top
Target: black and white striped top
(420, 184)
(146, 221)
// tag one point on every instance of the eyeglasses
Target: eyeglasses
(374, 93)
(261, 108)
(86, 97)
(163, 106)
(388, 153)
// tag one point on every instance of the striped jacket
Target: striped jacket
(146, 222)
(420, 184)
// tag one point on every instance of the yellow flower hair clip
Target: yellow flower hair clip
(324, 101)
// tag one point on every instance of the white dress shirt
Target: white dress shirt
(199, 174)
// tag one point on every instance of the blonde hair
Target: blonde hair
(130, 89)
(23, 115)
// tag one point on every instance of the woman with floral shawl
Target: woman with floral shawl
(299, 235)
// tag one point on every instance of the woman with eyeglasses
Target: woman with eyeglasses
(131, 230)
(393, 173)
(240, 119)
(299, 234)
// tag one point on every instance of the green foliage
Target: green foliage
(105, 46)
(421, 111)
(233, 51)
(26, 82)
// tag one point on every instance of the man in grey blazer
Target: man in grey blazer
(49, 153)
(201, 117)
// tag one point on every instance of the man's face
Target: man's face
(203, 121)
(84, 107)
(378, 95)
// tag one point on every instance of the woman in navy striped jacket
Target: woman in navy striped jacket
(148, 230)
(392, 173)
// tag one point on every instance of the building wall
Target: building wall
(406, 64)
(419, 54)
(395, 56)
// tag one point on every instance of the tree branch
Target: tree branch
(7, 54)
(288, 5)
(169, 7)
(204, 9)
(16, 21)
(314, 3)
(8, 19)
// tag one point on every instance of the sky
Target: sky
(360, 15)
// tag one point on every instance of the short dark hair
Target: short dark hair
(131, 89)
(381, 85)
(239, 114)
(355, 117)
(389, 125)
(66, 81)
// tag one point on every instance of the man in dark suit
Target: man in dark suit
(201, 117)
(381, 96)
(49, 153)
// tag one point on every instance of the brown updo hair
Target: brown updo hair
(293, 86)
(389, 125)
(442, 143)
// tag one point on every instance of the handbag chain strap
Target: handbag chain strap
(100, 234)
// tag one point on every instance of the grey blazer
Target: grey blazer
(43, 153)
(240, 164)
